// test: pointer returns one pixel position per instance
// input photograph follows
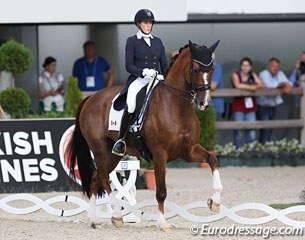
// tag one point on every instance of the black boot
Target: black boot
(119, 147)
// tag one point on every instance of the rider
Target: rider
(144, 58)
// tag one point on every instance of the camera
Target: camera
(302, 68)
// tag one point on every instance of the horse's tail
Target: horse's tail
(78, 152)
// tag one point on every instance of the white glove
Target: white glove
(149, 72)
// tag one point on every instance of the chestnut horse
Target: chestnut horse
(171, 131)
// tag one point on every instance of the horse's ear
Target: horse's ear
(214, 46)
(191, 45)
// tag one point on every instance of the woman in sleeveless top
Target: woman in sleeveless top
(245, 108)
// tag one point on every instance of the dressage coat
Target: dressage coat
(139, 55)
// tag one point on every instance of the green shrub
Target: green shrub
(208, 131)
(74, 97)
(15, 101)
(15, 57)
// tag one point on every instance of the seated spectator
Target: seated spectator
(244, 108)
(217, 83)
(90, 70)
(272, 77)
(51, 86)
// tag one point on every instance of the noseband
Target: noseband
(196, 88)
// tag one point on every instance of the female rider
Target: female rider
(144, 58)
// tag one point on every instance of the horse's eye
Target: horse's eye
(196, 71)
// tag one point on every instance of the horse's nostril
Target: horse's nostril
(201, 104)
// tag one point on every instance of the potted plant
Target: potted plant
(15, 59)
(15, 102)
(208, 131)
(149, 173)
(73, 96)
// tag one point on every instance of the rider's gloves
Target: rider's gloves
(148, 72)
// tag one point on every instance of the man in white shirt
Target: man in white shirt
(272, 77)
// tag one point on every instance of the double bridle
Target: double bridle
(194, 88)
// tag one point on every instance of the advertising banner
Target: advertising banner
(31, 159)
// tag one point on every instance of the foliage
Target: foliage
(276, 150)
(15, 57)
(15, 101)
(208, 132)
(50, 114)
(144, 164)
(73, 96)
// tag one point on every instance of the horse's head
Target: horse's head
(201, 69)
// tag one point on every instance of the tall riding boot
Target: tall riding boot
(119, 147)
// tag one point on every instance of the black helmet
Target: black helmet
(144, 14)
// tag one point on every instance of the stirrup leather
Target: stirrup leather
(119, 150)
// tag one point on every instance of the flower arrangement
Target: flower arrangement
(275, 150)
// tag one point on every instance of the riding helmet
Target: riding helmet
(144, 15)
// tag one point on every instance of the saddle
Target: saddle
(142, 103)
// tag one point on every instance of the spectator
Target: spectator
(295, 77)
(272, 77)
(51, 86)
(245, 108)
(90, 69)
(217, 83)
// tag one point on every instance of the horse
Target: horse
(171, 131)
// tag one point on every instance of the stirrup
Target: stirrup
(119, 150)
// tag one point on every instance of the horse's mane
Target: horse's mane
(173, 59)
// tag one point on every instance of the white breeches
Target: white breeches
(133, 90)
(57, 99)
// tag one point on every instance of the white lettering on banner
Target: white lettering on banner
(23, 146)
(7, 169)
(42, 142)
(49, 172)
(8, 143)
(32, 170)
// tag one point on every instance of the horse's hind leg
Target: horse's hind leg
(106, 162)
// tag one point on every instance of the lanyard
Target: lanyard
(94, 67)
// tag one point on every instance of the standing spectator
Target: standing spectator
(51, 86)
(90, 69)
(272, 77)
(217, 83)
(245, 108)
(295, 79)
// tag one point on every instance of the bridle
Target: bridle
(194, 88)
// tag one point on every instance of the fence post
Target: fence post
(302, 111)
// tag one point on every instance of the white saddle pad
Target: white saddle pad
(115, 116)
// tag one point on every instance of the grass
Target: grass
(285, 205)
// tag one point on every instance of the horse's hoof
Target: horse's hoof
(93, 225)
(117, 222)
(215, 207)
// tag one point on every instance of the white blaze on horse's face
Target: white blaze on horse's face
(202, 105)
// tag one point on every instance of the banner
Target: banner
(30, 157)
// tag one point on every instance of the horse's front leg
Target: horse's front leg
(161, 192)
(199, 154)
